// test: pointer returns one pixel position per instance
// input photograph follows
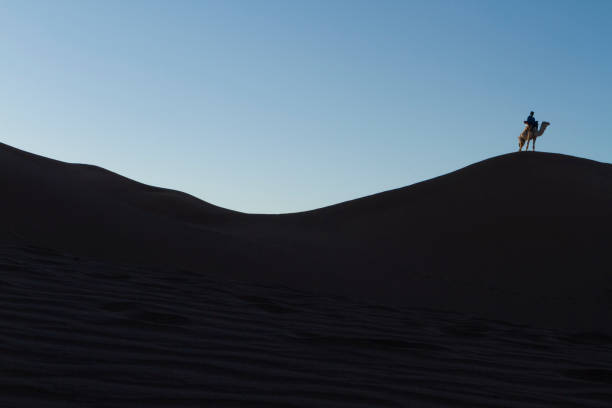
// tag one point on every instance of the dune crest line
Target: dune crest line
(519, 237)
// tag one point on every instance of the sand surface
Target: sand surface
(488, 286)
(83, 333)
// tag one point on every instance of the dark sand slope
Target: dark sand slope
(520, 237)
(116, 293)
(83, 333)
(523, 237)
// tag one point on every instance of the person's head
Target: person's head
(531, 113)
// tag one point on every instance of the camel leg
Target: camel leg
(520, 145)
(533, 145)
(527, 147)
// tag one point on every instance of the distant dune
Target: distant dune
(488, 286)
(519, 237)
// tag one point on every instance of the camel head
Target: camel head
(543, 127)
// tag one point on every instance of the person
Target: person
(531, 121)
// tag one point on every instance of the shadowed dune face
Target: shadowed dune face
(519, 237)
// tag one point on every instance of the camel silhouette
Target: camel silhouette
(531, 134)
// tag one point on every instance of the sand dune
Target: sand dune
(519, 237)
(488, 286)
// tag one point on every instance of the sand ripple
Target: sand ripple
(79, 333)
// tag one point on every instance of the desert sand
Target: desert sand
(488, 286)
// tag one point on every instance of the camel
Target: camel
(527, 135)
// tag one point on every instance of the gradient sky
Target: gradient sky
(281, 106)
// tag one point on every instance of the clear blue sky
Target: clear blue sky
(281, 106)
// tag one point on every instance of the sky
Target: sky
(281, 106)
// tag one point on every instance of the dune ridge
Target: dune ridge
(485, 287)
(519, 237)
